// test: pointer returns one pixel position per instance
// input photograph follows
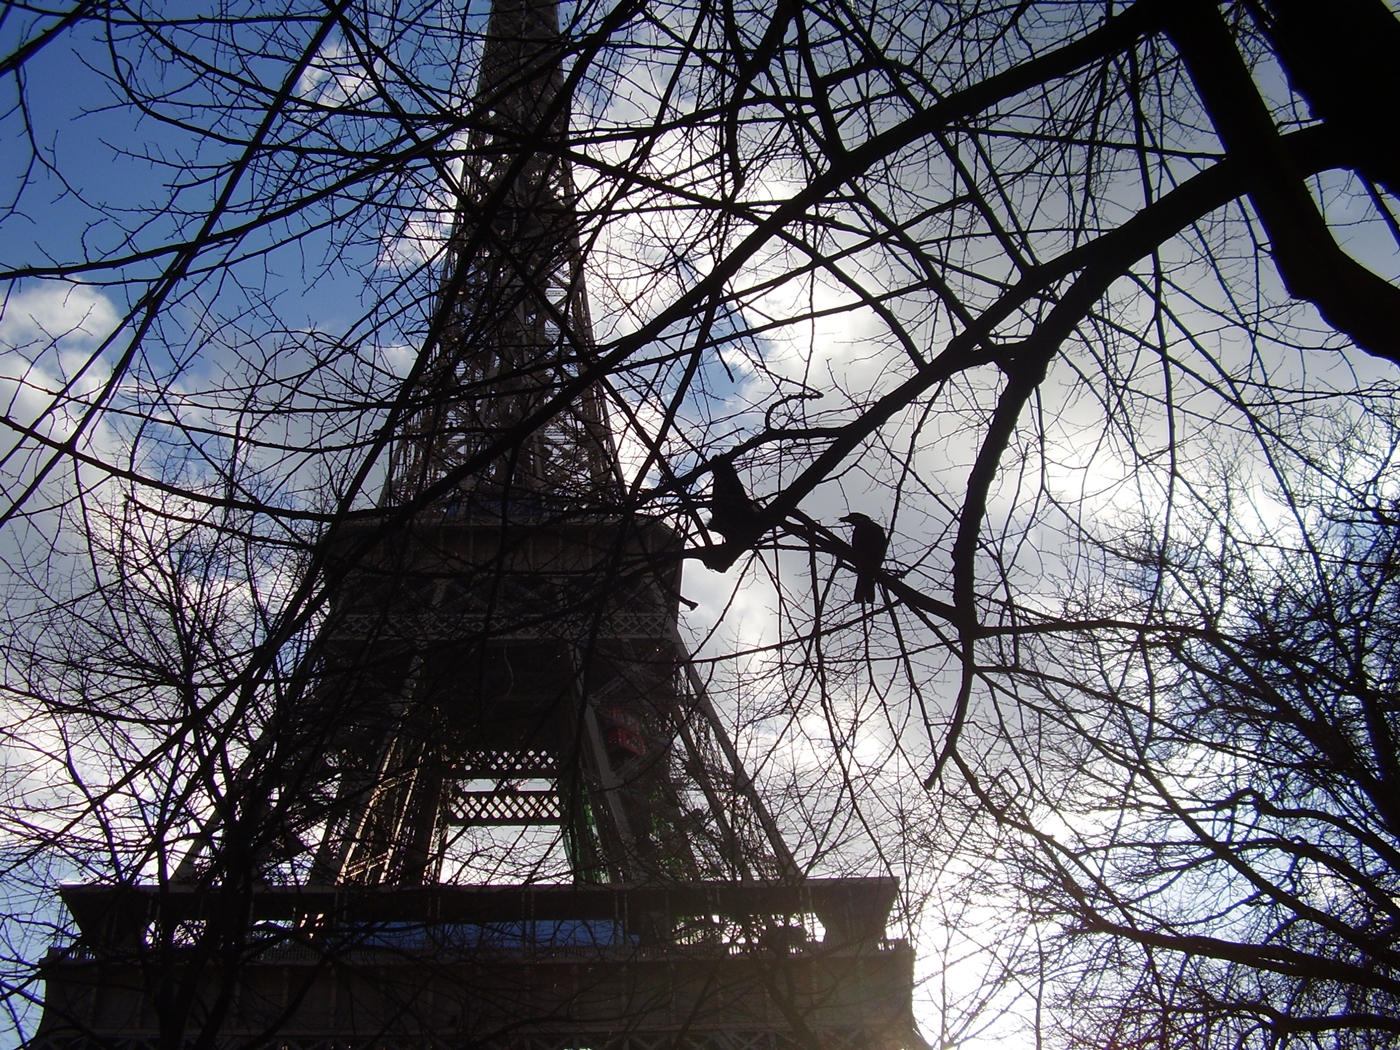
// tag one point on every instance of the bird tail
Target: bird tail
(865, 590)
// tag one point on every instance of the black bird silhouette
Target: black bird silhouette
(868, 543)
(732, 513)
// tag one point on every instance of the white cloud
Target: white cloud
(420, 242)
(50, 334)
(55, 314)
(334, 78)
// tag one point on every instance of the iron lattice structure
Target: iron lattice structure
(504, 813)
(515, 323)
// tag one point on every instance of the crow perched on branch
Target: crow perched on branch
(868, 543)
(732, 513)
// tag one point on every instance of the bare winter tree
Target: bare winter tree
(1093, 306)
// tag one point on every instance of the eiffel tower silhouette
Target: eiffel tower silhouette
(500, 810)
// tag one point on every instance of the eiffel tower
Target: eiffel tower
(500, 811)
